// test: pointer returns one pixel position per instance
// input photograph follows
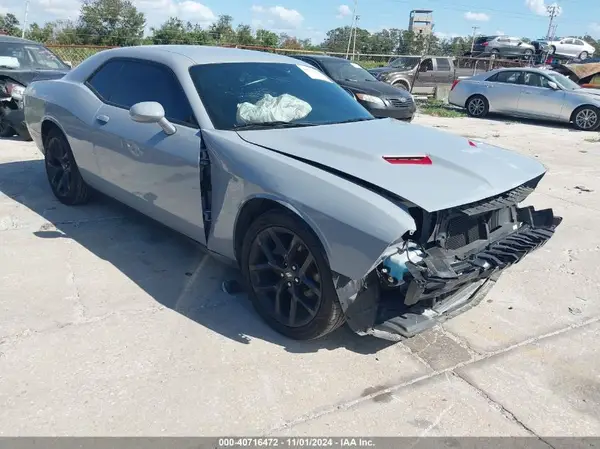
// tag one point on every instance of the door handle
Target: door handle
(103, 118)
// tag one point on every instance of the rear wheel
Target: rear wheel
(477, 106)
(288, 277)
(586, 118)
(63, 174)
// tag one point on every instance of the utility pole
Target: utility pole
(553, 33)
(25, 19)
(352, 28)
(355, 31)
(553, 11)
(473, 40)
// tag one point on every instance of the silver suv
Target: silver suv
(502, 46)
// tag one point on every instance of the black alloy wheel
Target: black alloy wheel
(288, 277)
(62, 171)
(284, 274)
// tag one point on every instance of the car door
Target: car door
(142, 166)
(578, 47)
(538, 99)
(443, 71)
(567, 47)
(502, 91)
(425, 75)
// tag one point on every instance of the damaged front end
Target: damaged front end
(447, 266)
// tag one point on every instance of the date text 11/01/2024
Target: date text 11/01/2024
(292, 442)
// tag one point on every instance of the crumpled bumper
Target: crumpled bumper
(444, 287)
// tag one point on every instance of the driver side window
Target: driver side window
(426, 65)
(536, 80)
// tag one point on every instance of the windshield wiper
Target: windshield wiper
(7, 67)
(352, 120)
(271, 125)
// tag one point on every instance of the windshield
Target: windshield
(344, 70)
(32, 56)
(406, 63)
(237, 94)
(563, 81)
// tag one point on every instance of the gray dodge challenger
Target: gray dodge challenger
(332, 216)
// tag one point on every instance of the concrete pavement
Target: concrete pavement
(113, 325)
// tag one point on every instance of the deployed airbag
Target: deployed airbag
(285, 108)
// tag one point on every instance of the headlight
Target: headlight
(16, 91)
(370, 99)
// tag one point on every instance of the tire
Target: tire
(583, 55)
(477, 106)
(400, 85)
(495, 52)
(5, 129)
(552, 50)
(586, 118)
(528, 53)
(282, 233)
(61, 169)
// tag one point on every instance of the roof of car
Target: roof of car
(15, 40)
(323, 57)
(200, 54)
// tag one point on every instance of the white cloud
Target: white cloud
(276, 17)
(157, 11)
(501, 33)
(62, 9)
(442, 35)
(477, 16)
(343, 11)
(540, 7)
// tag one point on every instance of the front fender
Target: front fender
(355, 224)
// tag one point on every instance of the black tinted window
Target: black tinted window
(141, 81)
(442, 64)
(506, 77)
(104, 79)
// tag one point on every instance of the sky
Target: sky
(313, 18)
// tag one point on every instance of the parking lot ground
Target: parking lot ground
(111, 324)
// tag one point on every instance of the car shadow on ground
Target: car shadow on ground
(166, 265)
(534, 122)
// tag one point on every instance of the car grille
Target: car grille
(397, 103)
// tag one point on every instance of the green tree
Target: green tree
(593, 42)
(266, 38)
(40, 34)
(244, 35)
(110, 22)
(10, 24)
(222, 30)
(175, 31)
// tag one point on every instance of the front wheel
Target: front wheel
(586, 118)
(477, 106)
(5, 129)
(400, 85)
(288, 277)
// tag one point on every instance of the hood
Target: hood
(590, 91)
(376, 88)
(25, 77)
(460, 173)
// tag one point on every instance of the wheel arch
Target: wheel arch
(578, 107)
(48, 124)
(476, 95)
(259, 204)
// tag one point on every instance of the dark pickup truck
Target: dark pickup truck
(407, 72)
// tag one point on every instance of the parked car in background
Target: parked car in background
(502, 46)
(571, 47)
(332, 215)
(380, 99)
(21, 62)
(406, 72)
(530, 93)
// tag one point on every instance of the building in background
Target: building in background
(421, 21)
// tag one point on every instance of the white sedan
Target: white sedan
(573, 47)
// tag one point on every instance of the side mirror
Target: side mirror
(553, 85)
(69, 63)
(151, 112)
